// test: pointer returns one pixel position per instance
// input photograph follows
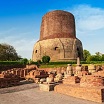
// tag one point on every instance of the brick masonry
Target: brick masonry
(88, 93)
(59, 49)
(71, 80)
(57, 38)
(91, 81)
(57, 24)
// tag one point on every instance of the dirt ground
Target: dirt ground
(30, 94)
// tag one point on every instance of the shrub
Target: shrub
(25, 61)
(45, 59)
(30, 62)
(39, 62)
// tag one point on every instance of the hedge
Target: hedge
(4, 65)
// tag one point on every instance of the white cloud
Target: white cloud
(7, 31)
(22, 41)
(23, 46)
(89, 26)
(88, 18)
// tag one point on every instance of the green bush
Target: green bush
(39, 62)
(10, 63)
(25, 61)
(4, 65)
(45, 59)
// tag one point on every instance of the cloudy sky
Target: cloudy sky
(20, 22)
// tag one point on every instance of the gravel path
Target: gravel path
(30, 94)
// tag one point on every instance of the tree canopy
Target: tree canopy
(97, 57)
(8, 53)
(86, 54)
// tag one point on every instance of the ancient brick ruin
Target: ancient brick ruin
(77, 81)
(86, 82)
(7, 80)
(13, 76)
(58, 38)
(89, 86)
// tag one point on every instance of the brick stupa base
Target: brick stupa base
(95, 94)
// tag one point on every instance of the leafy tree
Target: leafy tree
(97, 53)
(45, 59)
(89, 58)
(7, 52)
(96, 57)
(30, 61)
(86, 54)
(102, 58)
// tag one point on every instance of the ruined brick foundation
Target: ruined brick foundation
(93, 94)
(87, 87)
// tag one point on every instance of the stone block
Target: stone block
(46, 87)
(95, 94)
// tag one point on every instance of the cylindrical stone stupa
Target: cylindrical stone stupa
(58, 38)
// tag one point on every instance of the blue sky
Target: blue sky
(20, 22)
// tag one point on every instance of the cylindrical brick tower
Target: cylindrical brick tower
(57, 24)
(58, 38)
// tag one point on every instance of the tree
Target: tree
(102, 58)
(45, 59)
(7, 52)
(89, 58)
(98, 56)
(93, 58)
(86, 54)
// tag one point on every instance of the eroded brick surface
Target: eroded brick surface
(57, 38)
(91, 81)
(93, 94)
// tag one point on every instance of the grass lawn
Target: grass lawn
(64, 64)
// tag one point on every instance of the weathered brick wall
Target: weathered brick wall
(57, 24)
(58, 49)
(71, 80)
(88, 93)
(58, 38)
(91, 81)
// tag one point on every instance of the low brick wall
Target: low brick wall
(89, 93)
(71, 80)
(91, 81)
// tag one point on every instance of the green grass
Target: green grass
(64, 64)
(52, 66)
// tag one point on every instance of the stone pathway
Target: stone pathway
(23, 86)
(30, 94)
